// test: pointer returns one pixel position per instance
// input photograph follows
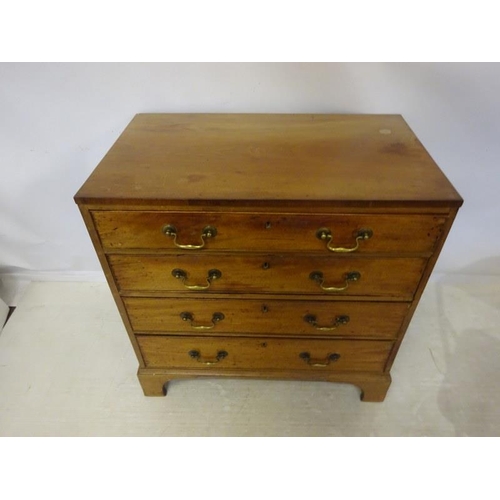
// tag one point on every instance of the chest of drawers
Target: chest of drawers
(267, 246)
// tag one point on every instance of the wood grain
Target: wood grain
(187, 157)
(267, 232)
(278, 317)
(381, 277)
(263, 353)
(268, 183)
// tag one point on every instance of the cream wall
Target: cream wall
(58, 120)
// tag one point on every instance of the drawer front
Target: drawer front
(268, 233)
(274, 317)
(341, 276)
(263, 353)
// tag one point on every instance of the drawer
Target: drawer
(273, 317)
(233, 273)
(268, 232)
(263, 353)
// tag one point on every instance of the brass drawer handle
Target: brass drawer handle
(219, 357)
(216, 317)
(339, 321)
(213, 274)
(208, 232)
(318, 277)
(317, 362)
(325, 234)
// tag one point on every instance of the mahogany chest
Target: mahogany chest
(267, 245)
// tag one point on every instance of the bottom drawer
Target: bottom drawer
(263, 353)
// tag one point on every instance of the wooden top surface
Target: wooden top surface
(272, 158)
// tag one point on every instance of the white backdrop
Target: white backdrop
(58, 120)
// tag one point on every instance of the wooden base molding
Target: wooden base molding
(374, 386)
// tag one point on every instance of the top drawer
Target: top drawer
(206, 231)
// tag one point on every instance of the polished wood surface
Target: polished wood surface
(178, 158)
(259, 232)
(267, 183)
(263, 353)
(273, 317)
(381, 277)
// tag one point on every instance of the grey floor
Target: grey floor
(67, 369)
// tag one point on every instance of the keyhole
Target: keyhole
(266, 265)
(264, 308)
(268, 225)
